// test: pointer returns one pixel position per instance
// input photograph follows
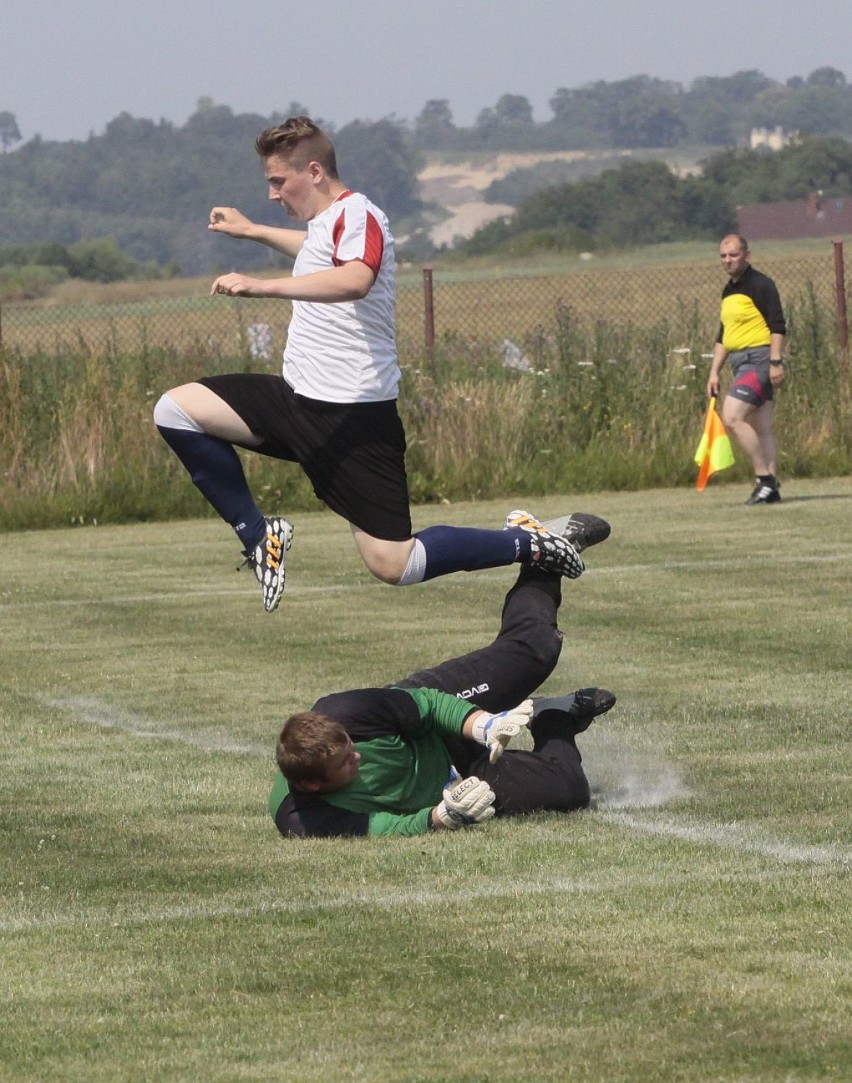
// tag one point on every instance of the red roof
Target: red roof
(816, 216)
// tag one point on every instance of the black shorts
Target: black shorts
(353, 453)
(751, 381)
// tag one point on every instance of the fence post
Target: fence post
(428, 310)
(840, 291)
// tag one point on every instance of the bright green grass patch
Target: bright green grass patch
(694, 926)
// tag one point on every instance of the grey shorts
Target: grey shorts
(750, 369)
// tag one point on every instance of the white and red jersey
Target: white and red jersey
(346, 351)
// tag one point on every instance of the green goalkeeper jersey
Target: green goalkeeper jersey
(402, 737)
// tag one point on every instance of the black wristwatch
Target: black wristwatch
(772, 361)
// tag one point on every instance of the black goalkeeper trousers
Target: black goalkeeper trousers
(500, 676)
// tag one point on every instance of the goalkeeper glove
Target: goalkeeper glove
(495, 731)
(470, 801)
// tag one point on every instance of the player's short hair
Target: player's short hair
(299, 141)
(307, 743)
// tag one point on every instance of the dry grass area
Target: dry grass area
(479, 300)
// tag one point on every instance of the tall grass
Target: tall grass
(601, 405)
(606, 405)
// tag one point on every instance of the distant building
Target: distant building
(816, 216)
(774, 138)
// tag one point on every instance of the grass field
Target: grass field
(693, 926)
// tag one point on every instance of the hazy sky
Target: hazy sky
(67, 67)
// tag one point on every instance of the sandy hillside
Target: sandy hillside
(458, 187)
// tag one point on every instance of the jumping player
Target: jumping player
(333, 410)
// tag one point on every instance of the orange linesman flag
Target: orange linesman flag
(714, 450)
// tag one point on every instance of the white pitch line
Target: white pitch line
(172, 596)
(345, 588)
(659, 777)
(730, 837)
(371, 899)
(95, 712)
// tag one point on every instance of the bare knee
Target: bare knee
(190, 397)
(761, 420)
(732, 414)
(170, 413)
(386, 566)
(386, 560)
(211, 414)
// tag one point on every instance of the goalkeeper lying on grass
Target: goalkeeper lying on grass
(428, 752)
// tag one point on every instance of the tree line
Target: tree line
(141, 189)
(646, 112)
(147, 186)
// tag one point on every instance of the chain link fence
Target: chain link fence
(589, 379)
(502, 314)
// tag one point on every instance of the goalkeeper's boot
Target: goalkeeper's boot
(580, 528)
(580, 706)
(549, 552)
(267, 560)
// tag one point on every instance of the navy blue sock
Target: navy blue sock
(466, 549)
(217, 472)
